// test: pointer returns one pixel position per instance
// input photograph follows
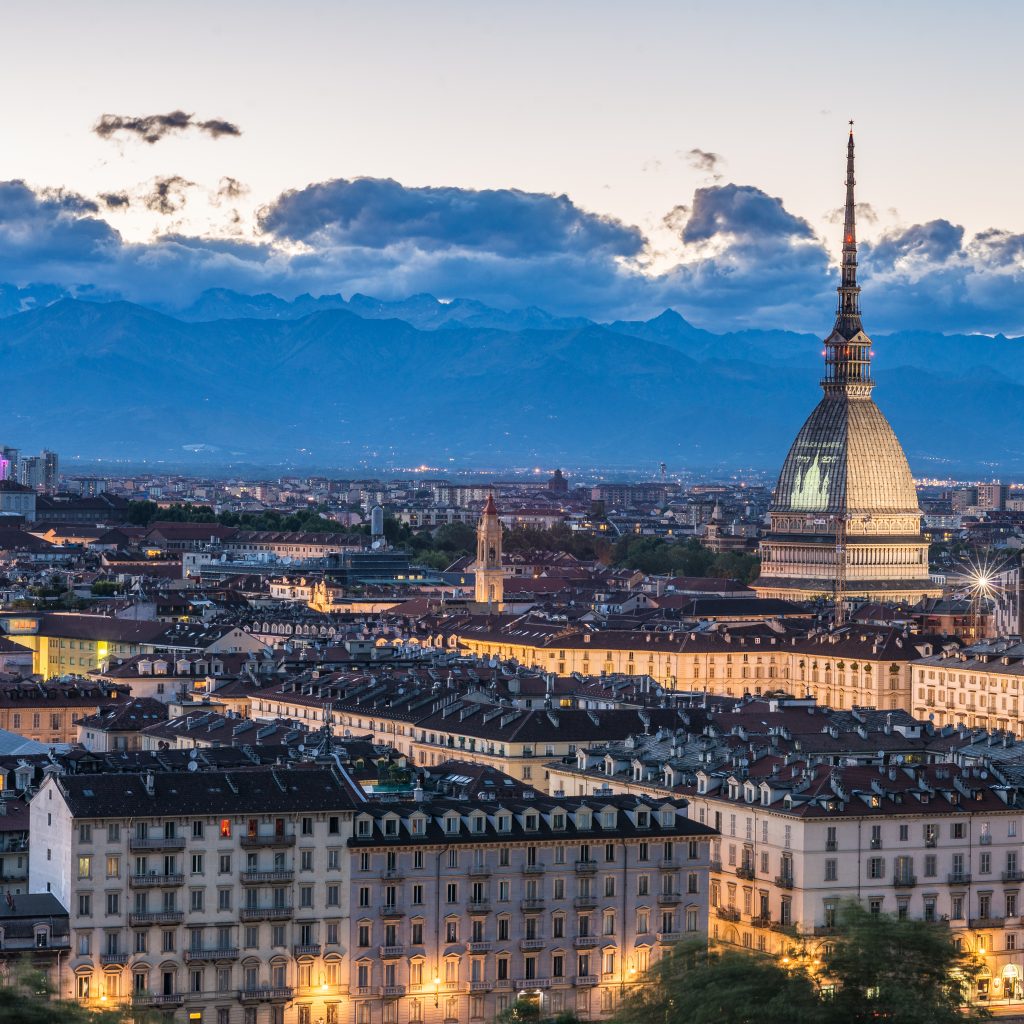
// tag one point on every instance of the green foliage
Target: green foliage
(105, 588)
(695, 985)
(27, 999)
(528, 1011)
(901, 972)
(683, 558)
(879, 970)
(309, 520)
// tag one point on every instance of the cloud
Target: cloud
(167, 195)
(379, 213)
(154, 127)
(745, 259)
(231, 188)
(115, 200)
(703, 160)
(866, 214)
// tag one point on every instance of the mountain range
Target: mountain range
(335, 382)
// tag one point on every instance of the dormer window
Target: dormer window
(531, 822)
(643, 819)
(504, 823)
(451, 824)
(419, 826)
(478, 823)
(608, 819)
(391, 826)
(558, 822)
(364, 827)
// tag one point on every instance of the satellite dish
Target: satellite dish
(193, 754)
(899, 759)
(192, 766)
(983, 774)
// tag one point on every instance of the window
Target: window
(306, 860)
(197, 863)
(113, 904)
(876, 867)
(84, 904)
(831, 869)
(956, 830)
(85, 867)
(225, 828)
(85, 833)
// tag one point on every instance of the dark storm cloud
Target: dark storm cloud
(154, 127)
(167, 195)
(115, 200)
(703, 160)
(377, 213)
(741, 212)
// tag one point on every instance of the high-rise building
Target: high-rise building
(992, 497)
(9, 463)
(51, 470)
(845, 517)
(489, 575)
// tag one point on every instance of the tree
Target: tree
(898, 972)
(528, 1011)
(26, 999)
(697, 985)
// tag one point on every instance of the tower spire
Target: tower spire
(848, 314)
(848, 348)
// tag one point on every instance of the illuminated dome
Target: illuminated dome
(845, 521)
(846, 459)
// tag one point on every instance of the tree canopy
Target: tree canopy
(877, 969)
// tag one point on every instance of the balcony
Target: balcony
(156, 843)
(1013, 876)
(786, 928)
(167, 999)
(274, 913)
(309, 949)
(531, 945)
(821, 930)
(876, 843)
(151, 880)
(392, 952)
(669, 938)
(278, 994)
(114, 958)
(585, 980)
(530, 983)
(532, 904)
(668, 864)
(533, 869)
(904, 881)
(715, 864)
(266, 877)
(391, 910)
(392, 991)
(267, 842)
(586, 867)
(831, 845)
(745, 871)
(480, 947)
(979, 923)
(931, 842)
(156, 917)
(762, 921)
(479, 906)
(481, 986)
(392, 875)
(784, 881)
(727, 913)
(585, 902)
(585, 941)
(669, 899)
(985, 839)
(959, 878)
(220, 953)
(479, 871)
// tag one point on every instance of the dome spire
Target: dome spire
(848, 315)
(848, 348)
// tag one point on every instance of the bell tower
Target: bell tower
(490, 578)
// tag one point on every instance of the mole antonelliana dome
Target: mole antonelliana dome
(845, 507)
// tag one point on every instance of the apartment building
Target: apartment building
(977, 686)
(458, 910)
(214, 896)
(851, 666)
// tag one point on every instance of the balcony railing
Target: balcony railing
(715, 864)
(272, 913)
(392, 910)
(156, 917)
(114, 958)
(745, 871)
(391, 952)
(481, 986)
(831, 845)
(586, 867)
(479, 906)
(267, 842)
(308, 949)
(218, 953)
(668, 938)
(761, 921)
(530, 983)
(267, 994)
(392, 991)
(585, 902)
(531, 945)
(876, 843)
(985, 922)
(166, 999)
(480, 947)
(727, 913)
(904, 881)
(585, 941)
(151, 880)
(266, 877)
(669, 899)
(533, 869)
(157, 843)
(479, 871)
(985, 839)
(585, 980)
(532, 904)
(959, 878)
(784, 881)
(1013, 876)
